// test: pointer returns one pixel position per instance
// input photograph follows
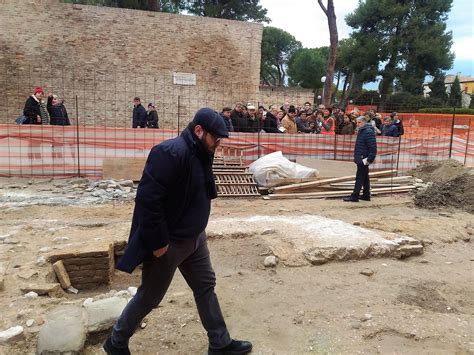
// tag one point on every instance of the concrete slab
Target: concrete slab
(299, 240)
(102, 314)
(64, 331)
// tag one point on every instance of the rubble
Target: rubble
(11, 334)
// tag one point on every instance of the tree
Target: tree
(306, 67)
(243, 10)
(455, 96)
(173, 6)
(246, 10)
(333, 38)
(409, 38)
(438, 88)
(277, 48)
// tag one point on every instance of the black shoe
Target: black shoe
(234, 348)
(110, 349)
(350, 199)
(365, 198)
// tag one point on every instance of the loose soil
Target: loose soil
(452, 185)
(418, 305)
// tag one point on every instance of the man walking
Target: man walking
(364, 154)
(139, 114)
(172, 209)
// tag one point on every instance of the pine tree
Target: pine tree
(455, 98)
(438, 88)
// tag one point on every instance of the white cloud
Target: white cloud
(462, 47)
(305, 20)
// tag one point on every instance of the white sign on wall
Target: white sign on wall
(184, 78)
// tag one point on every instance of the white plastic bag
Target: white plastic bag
(276, 166)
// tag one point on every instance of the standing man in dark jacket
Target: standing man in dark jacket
(225, 114)
(172, 209)
(398, 123)
(32, 109)
(139, 114)
(270, 125)
(365, 151)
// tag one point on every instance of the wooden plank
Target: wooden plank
(322, 182)
(341, 193)
(395, 178)
(289, 181)
(123, 168)
(372, 184)
(328, 168)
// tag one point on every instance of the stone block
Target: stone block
(50, 289)
(11, 335)
(102, 314)
(62, 274)
(64, 331)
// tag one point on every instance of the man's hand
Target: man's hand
(160, 252)
(38, 118)
(365, 161)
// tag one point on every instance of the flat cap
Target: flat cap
(211, 122)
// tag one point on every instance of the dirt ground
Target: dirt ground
(418, 305)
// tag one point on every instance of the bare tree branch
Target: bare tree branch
(323, 7)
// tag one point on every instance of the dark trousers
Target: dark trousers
(192, 258)
(362, 181)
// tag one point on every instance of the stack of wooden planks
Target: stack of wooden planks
(382, 182)
(233, 178)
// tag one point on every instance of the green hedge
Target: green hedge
(461, 111)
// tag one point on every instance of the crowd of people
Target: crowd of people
(293, 119)
(287, 118)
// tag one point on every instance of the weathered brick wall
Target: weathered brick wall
(295, 96)
(106, 56)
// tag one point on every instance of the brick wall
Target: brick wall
(295, 96)
(106, 56)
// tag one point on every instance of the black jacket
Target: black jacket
(152, 119)
(270, 125)
(173, 198)
(366, 144)
(139, 116)
(228, 122)
(32, 110)
(58, 113)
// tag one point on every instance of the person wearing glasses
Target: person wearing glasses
(171, 212)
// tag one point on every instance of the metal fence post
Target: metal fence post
(77, 139)
(179, 105)
(452, 132)
(467, 141)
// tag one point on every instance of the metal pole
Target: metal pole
(179, 105)
(467, 142)
(259, 128)
(77, 139)
(452, 132)
(398, 153)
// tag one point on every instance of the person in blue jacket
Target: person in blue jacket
(389, 129)
(172, 208)
(365, 151)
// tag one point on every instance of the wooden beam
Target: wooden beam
(341, 193)
(305, 185)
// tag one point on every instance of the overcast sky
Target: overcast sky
(305, 20)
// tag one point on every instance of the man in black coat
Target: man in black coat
(139, 114)
(32, 109)
(171, 212)
(57, 111)
(270, 125)
(365, 151)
